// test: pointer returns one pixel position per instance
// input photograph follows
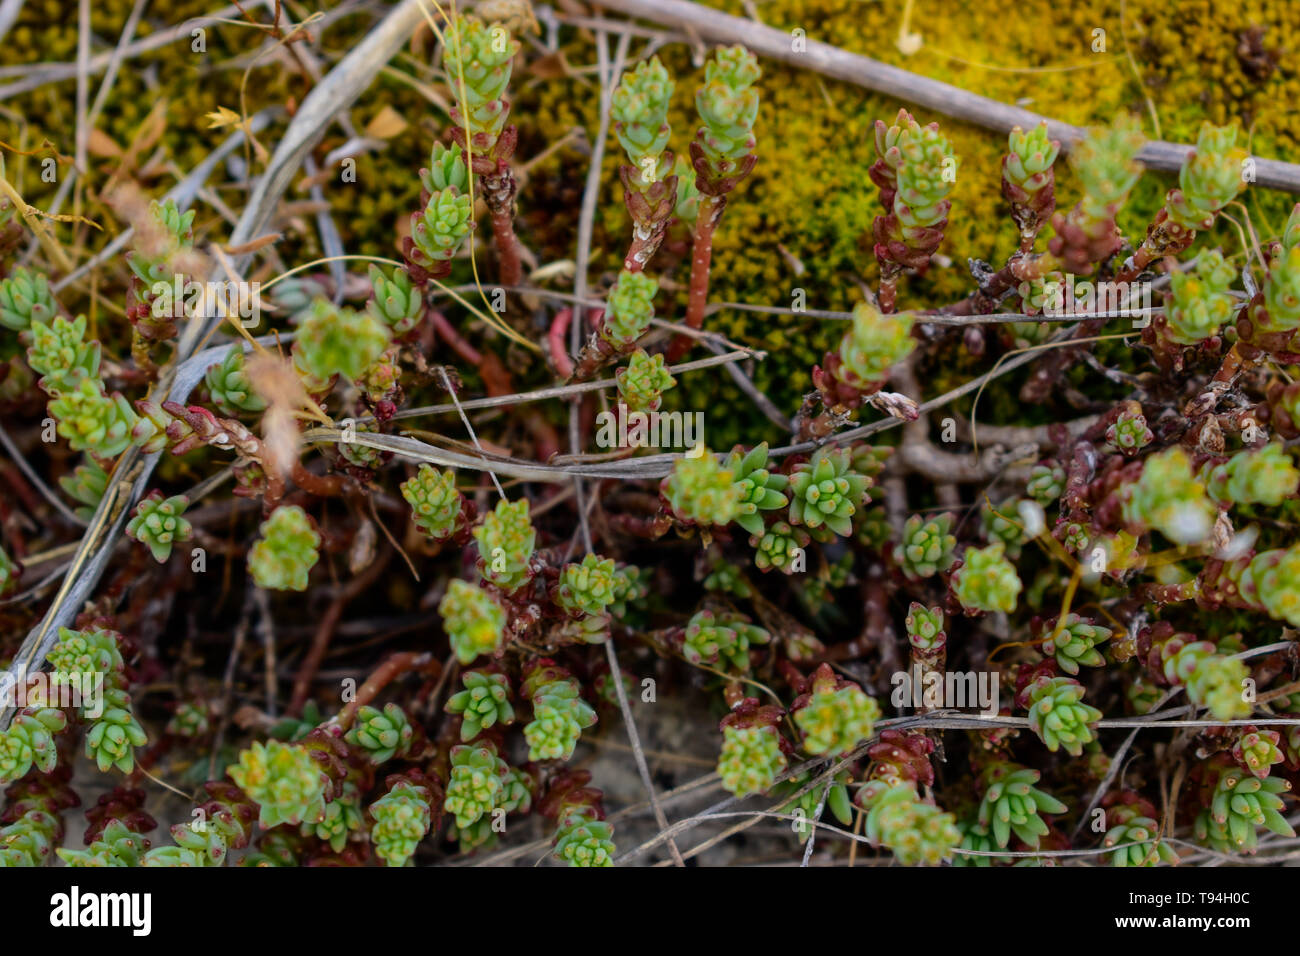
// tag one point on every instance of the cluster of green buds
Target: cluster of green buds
(760, 489)
(86, 486)
(1214, 681)
(1198, 304)
(926, 635)
(1002, 523)
(336, 341)
(1058, 715)
(1046, 483)
(1029, 180)
(92, 659)
(402, 817)
(437, 508)
(477, 783)
(780, 546)
(94, 421)
(25, 297)
(475, 623)
(1264, 476)
(1012, 804)
(229, 386)
(629, 307)
(1257, 751)
(583, 839)
(1271, 582)
(560, 715)
(723, 148)
(224, 824)
(1169, 498)
(395, 301)
(1073, 642)
(835, 715)
(165, 233)
(33, 827)
(1105, 162)
(826, 491)
(1128, 433)
(381, 734)
(753, 751)
(1239, 803)
(1279, 313)
(29, 742)
(586, 589)
(986, 580)
(639, 109)
(711, 638)
(631, 588)
(874, 344)
(286, 552)
(158, 524)
(283, 780)
(917, 831)
(701, 491)
(1133, 822)
(483, 704)
(441, 227)
(506, 541)
(117, 845)
(927, 547)
(477, 59)
(342, 818)
(642, 383)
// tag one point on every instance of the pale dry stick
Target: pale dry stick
(940, 97)
(817, 817)
(938, 318)
(83, 84)
(340, 87)
(446, 383)
(9, 11)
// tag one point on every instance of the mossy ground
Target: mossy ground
(808, 205)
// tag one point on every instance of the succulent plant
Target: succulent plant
(396, 300)
(1073, 642)
(728, 106)
(1168, 497)
(711, 638)
(778, 547)
(92, 420)
(474, 621)
(286, 552)
(874, 344)
(478, 60)
(1046, 484)
(750, 760)
(835, 715)
(1141, 831)
(1266, 476)
(639, 109)
(382, 734)
(560, 715)
(29, 741)
(116, 846)
(506, 541)
(338, 341)
(986, 580)
(1003, 524)
(1213, 680)
(629, 307)
(1257, 751)
(31, 839)
(229, 385)
(925, 628)
(484, 703)
(761, 489)
(476, 784)
(283, 780)
(1129, 433)
(927, 547)
(1198, 305)
(437, 508)
(1012, 804)
(1271, 581)
(1028, 178)
(583, 840)
(826, 491)
(158, 524)
(1239, 804)
(86, 485)
(586, 588)
(1209, 179)
(442, 226)
(25, 298)
(1058, 716)
(402, 818)
(1281, 292)
(917, 831)
(701, 491)
(166, 232)
(113, 736)
(642, 383)
(804, 808)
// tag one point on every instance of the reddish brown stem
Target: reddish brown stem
(453, 338)
(706, 222)
(555, 338)
(383, 675)
(507, 246)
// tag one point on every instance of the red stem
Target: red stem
(507, 247)
(453, 338)
(555, 337)
(701, 257)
